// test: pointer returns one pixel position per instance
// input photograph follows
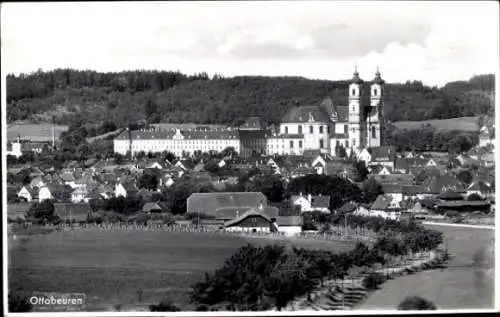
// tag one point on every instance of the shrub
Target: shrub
(373, 281)
(416, 303)
(165, 305)
(19, 304)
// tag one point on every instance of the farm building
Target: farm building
(289, 225)
(72, 212)
(209, 203)
(311, 203)
(251, 221)
(438, 184)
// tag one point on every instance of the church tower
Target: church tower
(355, 111)
(374, 119)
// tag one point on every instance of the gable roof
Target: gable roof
(304, 113)
(383, 153)
(250, 213)
(348, 207)
(254, 123)
(320, 201)
(438, 184)
(77, 212)
(152, 206)
(208, 203)
(479, 185)
(129, 187)
(392, 188)
(381, 203)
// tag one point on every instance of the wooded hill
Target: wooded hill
(95, 99)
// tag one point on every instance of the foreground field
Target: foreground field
(126, 270)
(463, 124)
(467, 283)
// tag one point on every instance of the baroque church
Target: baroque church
(323, 128)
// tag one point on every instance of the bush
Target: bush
(19, 304)
(373, 281)
(165, 305)
(416, 303)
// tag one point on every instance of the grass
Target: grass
(131, 269)
(462, 124)
(466, 283)
(36, 132)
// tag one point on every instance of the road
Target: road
(467, 283)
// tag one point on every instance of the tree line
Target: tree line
(262, 278)
(175, 97)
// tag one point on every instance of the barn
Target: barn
(251, 221)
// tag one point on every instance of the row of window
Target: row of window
(311, 129)
(375, 92)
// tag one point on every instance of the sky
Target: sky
(435, 42)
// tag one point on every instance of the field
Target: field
(127, 269)
(467, 283)
(36, 132)
(463, 124)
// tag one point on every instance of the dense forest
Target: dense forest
(115, 99)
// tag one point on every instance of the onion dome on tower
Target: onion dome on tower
(378, 79)
(355, 77)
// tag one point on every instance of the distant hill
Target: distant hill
(92, 100)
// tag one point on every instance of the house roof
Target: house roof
(305, 114)
(78, 212)
(438, 184)
(198, 134)
(348, 207)
(310, 153)
(462, 203)
(129, 187)
(410, 190)
(284, 221)
(320, 201)
(250, 213)
(479, 185)
(381, 203)
(58, 188)
(392, 188)
(403, 179)
(402, 164)
(151, 206)
(450, 194)
(382, 153)
(254, 123)
(208, 203)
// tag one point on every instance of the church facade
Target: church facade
(324, 128)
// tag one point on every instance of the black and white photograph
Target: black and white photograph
(236, 157)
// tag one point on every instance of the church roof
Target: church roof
(305, 113)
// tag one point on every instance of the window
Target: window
(300, 144)
(346, 143)
(338, 143)
(328, 130)
(374, 134)
(321, 144)
(353, 142)
(353, 92)
(291, 144)
(375, 91)
(286, 130)
(310, 129)
(320, 129)
(345, 129)
(300, 129)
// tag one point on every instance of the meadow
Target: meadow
(462, 124)
(36, 132)
(126, 270)
(466, 283)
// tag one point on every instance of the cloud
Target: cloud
(428, 41)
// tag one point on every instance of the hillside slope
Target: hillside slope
(92, 99)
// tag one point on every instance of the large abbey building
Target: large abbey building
(356, 125)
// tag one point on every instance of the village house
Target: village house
(125, 190)
(153, 207)
(383, 155)
(312, 203)
(395, 191)
(251, 221)
(209, 203)
(480, 188)
(69, 212)
(436, 185)
(289, 225)
(28, 194)
(386, 207)
(60, 193)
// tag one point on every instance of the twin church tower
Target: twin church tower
(366, 118)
